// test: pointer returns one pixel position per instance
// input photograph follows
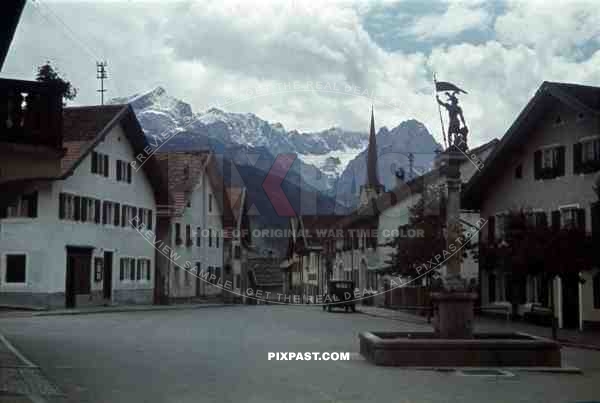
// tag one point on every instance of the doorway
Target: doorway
(78, 274)
(570, 301)
(107, 276)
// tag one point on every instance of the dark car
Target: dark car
(340, 294)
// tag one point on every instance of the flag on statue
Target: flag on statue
(446, 86)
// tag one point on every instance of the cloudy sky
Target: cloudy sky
(207, 51)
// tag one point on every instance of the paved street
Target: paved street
(220, 355)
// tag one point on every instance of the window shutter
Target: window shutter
(119, 170)
(132, 269)
(122, 270)
(84, 208)
(139, 269)
(77, 208)
(148, 270)
(116, 212)
(105, 212)
(124, 215)
(556, 220)
(581, 219)
(128, 173)
(97, 211)
(133, 215)
(491, 229)
(94, 162)
(595, 212)
(537, 164)
(577, 157)
(560, 169)
(150, 218)
(106, 165)
(32, 208)
(542, 219)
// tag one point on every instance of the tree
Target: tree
(531, 247)
(427, 219)
(47, 74)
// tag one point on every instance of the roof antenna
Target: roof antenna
(101, 75)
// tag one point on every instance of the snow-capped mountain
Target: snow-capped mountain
(332, 161)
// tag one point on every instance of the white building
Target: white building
(67, 240)
(195, 230)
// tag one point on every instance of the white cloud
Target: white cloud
(458, 17)
(201, 52)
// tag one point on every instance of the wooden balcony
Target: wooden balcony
(31, 142)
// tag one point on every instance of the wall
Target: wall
(45, 238)
(197, 215)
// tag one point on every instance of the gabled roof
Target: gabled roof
(582, 98)
(183, 170)
(85, 127)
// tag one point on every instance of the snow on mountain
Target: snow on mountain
(331, 160)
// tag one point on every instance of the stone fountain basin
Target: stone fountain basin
(424, 349)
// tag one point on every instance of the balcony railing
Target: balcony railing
(30, 113)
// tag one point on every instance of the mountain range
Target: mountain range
(329, 165)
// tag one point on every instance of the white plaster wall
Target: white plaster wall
(197, 215)
(44, 239)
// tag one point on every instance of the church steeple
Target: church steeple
(372, 155)
(372, 188)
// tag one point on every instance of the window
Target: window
(23, 206)
(586, 156)
(210, 202)
(210, 238)
(597, 291)
(519, 172)
(178, 240)
(143, 269)
(15, 268)
(127, 269)
(549, 162)
(100, 164)
(198, 236)
(188, 235)
(572, 218)
(123, 171)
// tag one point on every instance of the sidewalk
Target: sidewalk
(567, 337)
(105, 309)
(21, 381)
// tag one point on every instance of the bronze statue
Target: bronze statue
(457, 135)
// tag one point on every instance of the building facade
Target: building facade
(195, 226)
(546, 164)
(70, 240)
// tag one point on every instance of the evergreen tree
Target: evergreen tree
(47, 74)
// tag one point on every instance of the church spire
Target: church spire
(372, 155)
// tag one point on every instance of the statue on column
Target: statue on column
(457, 135)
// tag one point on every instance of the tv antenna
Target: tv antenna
(101, 75)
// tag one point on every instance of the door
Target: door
(78, 274)
(107, 275)
(570, 301)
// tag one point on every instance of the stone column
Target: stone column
(455, 304)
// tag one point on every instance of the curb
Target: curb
(115, 309)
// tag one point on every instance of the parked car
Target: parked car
(340, 294)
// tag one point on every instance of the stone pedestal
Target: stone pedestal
(454, 319)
